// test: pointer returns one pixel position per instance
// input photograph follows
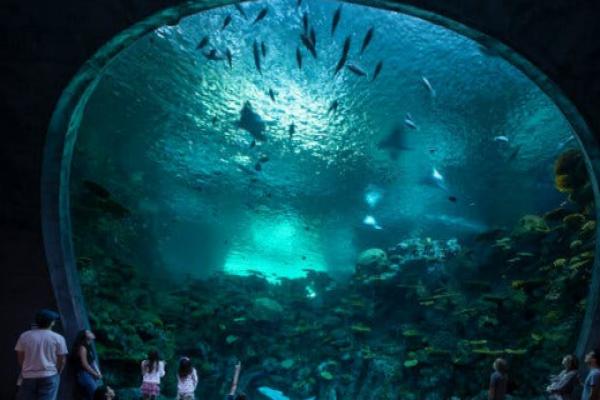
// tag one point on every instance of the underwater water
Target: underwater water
(381, 222)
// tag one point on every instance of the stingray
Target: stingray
(251, 122)
(395, 142)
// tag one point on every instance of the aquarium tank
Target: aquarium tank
(355, 203)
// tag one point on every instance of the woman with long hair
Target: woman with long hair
(153, 369)
(187, 380)
(86, 366)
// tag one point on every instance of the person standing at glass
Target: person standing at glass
(563, 385)
(498, 380)
(86, 367)
(591, 386)
(41, 353)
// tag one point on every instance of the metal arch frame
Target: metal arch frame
(62, 133)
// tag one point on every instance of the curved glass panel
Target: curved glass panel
(377, 232)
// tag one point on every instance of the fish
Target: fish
(202, 43)
(299, 57)
(336, 19)
(241, 10)
(258, 166)
(272, 394)
(298, 3)
(97, 189)
(271, 94)
(261, 15)
(229, 57)
(370, 220)
(256, 56)
(313, 37)
(263, 49)
(367, 39)
(435, 179)
(213, 55)
(214, 120)
(333, 106)
(377, 70)
(305, 22)
(432, 150)
(394, 142)
(344, 57)
(408, 120)
(251, 122)
(501, 139)
(292, 130)
(253, 144)
(452, 199)
(263, 158)
(428, 86)
(356, 70)
(309, 45)
(226, 21)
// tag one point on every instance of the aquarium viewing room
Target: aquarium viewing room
(300, 200)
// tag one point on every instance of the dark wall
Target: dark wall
(45, 42)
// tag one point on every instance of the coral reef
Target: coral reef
(422, 320)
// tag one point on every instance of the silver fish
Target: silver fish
(428, 86)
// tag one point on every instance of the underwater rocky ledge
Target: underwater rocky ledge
(421, 320)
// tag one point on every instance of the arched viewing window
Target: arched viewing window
(356, 203)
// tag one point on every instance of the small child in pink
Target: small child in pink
(152, 370)
(187, 380)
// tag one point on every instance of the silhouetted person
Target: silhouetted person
(498, 380)
(86, 366)
(563, 385)
(41, 354)
(591, 386)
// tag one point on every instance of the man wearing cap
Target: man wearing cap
(41, 354)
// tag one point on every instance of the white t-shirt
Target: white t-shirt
(188, 384)
(41, 348)
(155, 375)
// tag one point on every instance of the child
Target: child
(152, 370)
(104, 393)
(187, 380)
(498, 380)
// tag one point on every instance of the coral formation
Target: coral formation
(406, 324)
